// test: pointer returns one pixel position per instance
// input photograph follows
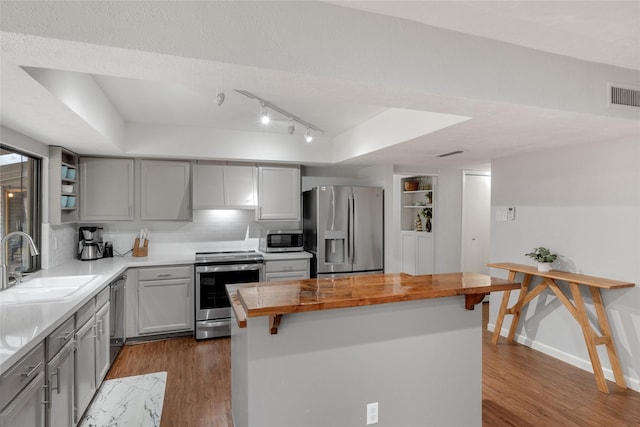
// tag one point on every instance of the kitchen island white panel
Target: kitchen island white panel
(420, 360)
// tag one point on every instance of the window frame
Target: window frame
(34, 207)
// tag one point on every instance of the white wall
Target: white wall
(582, 202)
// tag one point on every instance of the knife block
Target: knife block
(141, 251)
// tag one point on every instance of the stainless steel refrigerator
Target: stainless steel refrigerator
(343, 229)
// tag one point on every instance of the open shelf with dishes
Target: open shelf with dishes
(63, 186)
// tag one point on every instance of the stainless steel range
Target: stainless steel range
(215, 270)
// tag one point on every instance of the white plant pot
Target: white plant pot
(544, 266)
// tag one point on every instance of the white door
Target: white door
(476, 221)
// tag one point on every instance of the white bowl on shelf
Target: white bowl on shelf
(67, 188)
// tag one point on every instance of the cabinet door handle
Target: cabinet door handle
(57, 375)
(164, 275)
(32, 370)
(95, 331)
(45, 392)
(101, 328)
(65, 336)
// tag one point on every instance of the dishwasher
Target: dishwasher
(117, 333)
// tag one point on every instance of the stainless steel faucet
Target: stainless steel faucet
(32, 248)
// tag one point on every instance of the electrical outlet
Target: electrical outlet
(372, 413)
(501, 215)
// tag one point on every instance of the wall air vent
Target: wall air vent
(450, 153)
(624, 95)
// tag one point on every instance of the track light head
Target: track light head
(220, 98)
(307, 136)
(292, 127)
(264, 115)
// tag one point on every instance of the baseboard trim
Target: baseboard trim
(585, 365)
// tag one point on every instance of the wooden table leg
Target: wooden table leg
(589, 338)
(502, 311)
(607, 336)
(517, 309)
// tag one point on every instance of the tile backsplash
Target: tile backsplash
(59, 242)
(207, 226)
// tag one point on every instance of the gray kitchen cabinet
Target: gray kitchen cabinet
(60, 380)
(102, 342)
(165, 190)
(106, 191)
(92, 350)
(165, 299)
(60, 374)
(22, 391)
(224, 186)
(278, 193)
(85, 367)
(290, 269)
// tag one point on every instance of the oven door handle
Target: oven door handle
(223, 268)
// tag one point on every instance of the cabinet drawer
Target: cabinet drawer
(21, 374)
(288, 265)
(103, 297)
(58, 338)
(182, 272)
(85, 313)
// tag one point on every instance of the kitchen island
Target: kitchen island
(316, 352)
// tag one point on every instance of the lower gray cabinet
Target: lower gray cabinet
(27, 408)
(165, 299)
(22, 391)
(60, 378)
(85, 366)
(102, 342)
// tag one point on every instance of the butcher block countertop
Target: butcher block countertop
(275, 299)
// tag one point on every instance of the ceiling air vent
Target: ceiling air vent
(624, 95)
(450, 153)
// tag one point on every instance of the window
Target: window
(20, 207)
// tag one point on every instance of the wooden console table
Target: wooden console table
(592, 337)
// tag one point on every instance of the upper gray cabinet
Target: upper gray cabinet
(106, 190)
(224, 186)
(165, 190)
(278, 193)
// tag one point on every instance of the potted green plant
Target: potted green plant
(543, 256)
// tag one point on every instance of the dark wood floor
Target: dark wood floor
(521, 387)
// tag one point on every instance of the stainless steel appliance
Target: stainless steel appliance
(90, 245)
(281, 241)
(116, 316)
(343, 229)
(213, 271)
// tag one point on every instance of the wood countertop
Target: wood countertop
(296, 296)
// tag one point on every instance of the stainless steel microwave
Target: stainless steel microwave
(281, 241)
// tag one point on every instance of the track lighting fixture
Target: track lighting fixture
(264, 115)
(220, 98)
(265, 106)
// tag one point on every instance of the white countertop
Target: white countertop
(24, 324)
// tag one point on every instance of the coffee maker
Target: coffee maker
(90, 245)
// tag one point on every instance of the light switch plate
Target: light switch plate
(501, 215)
(511, 213)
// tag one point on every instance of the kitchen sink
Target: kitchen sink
(43, 289)
(57, 282)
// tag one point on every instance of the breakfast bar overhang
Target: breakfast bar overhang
(411, 344)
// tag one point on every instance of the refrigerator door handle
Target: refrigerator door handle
(351, 228)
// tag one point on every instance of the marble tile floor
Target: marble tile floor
(128, 402)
